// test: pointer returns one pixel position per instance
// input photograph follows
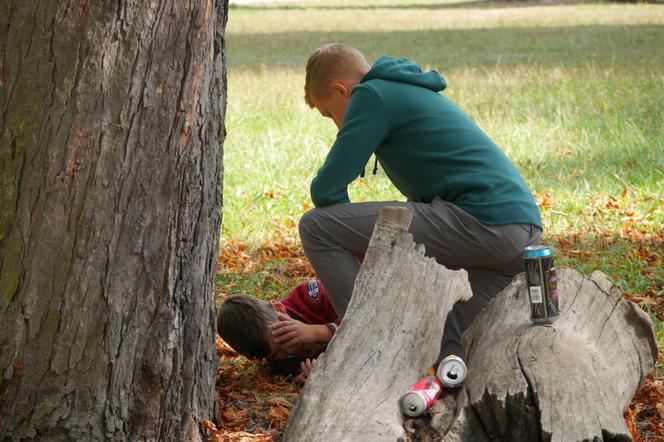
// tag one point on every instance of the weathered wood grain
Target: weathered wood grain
(568, 381)
(111, 134)
(388, 338)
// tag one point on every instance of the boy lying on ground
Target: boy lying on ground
(289, 333)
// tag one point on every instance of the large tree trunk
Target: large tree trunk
(111, 133)
(400, 301)
(570, 380)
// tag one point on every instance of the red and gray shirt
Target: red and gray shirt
(310, 303)
(307, 302)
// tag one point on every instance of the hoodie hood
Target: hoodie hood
(404, 71)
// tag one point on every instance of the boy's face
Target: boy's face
(334, 104)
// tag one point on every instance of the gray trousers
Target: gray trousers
(333, 236)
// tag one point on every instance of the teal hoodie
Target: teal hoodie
(426, 145)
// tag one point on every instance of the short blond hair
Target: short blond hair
(334, 61)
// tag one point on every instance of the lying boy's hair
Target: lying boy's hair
(243, 322)
(331, 62)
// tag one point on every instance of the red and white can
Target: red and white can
(421, 396)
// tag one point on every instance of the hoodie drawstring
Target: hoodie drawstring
(375, 168)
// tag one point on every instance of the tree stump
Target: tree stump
(570, 380)
(401, 299)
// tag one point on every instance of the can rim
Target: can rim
(442, 371)
(537, 252)
(421, 405)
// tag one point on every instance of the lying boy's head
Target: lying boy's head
(332, 71)
(244, 323)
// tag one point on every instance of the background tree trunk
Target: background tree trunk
(388, 338)
(111, 134)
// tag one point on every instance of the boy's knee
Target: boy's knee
(308, 223)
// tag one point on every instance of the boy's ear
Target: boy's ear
(338, 87)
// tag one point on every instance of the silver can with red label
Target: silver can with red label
(421, 396)
(541, 281)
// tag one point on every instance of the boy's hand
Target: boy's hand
(306, 367)
(290, 333)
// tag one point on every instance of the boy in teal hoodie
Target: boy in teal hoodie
(471, 207)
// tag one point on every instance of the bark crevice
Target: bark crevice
(111, 233)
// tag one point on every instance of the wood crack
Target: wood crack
(531, 397)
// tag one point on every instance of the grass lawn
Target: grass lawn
(572, 93)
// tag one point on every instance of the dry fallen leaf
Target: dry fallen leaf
(251, 399)
(240, 436)
(278, 416)
(660, 410)
(543, 201)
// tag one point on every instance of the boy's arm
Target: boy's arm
(289, 332)
(363, 130)
(322, 332)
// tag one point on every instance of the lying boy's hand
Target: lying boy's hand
(306, 367)
(290, 333)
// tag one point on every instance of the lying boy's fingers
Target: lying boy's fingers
(277, 326)
(288, 339)
(282, 331)
(284, 335)
(282, 324)
(305, 366)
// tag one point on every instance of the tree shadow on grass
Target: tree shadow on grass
(473, 4)
(625, 45)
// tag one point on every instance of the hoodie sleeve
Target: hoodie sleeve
(363, 129)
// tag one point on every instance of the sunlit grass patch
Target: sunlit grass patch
(580, 134)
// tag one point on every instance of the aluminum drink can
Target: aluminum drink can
(421, 396)
(451, 371)
(542, 284)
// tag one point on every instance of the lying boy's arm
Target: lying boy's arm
(289, 331)
(363, 130)
(321, 333)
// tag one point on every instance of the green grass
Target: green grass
(571, 92)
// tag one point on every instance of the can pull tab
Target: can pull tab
(452, 371)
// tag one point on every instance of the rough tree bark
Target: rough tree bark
(401, 299)
(111, 134)
(570, 380)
